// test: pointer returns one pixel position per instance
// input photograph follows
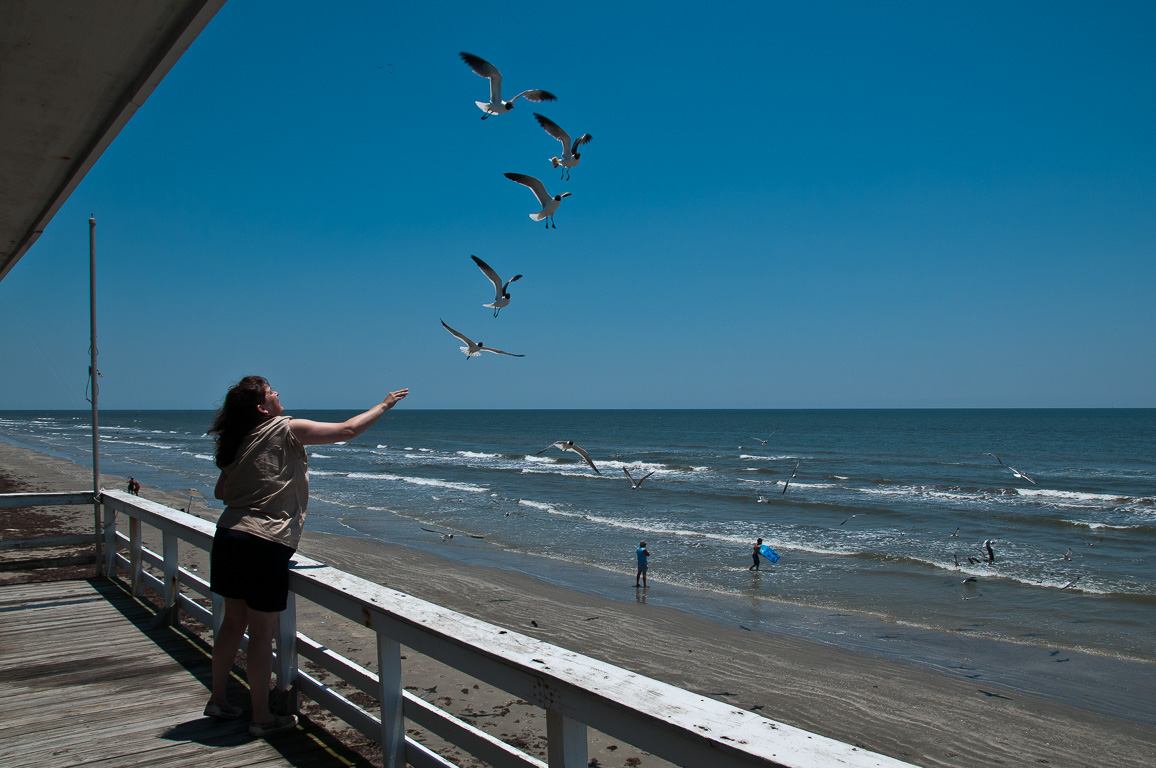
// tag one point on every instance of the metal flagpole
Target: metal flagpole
(92, 375)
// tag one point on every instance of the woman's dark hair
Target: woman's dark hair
(237, 417)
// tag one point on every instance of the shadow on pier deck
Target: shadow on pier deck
(84, 680)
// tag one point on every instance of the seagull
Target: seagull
(475, 348)
(549, 204)
(763, 500)
(1067, 555)
(1070, 583)
(1019, 475)
(764, 442)
(501, 295)
(855, 515)
(635, 484)
(792, 477)
(568, 445)
(445, 536)
(570, 154)
(496, 106)
(990, 553)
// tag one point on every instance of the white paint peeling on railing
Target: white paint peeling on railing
(576, 691)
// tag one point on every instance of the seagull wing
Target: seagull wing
(548, 447)
(490, 273)
(586, 456)
(994, 457)
(461, 337)
(792, 477)
(499, 352)
(487, 70)
(535, 94)
(583, 139)
(648, 474)
(627, 471)
(537, 187)
(554, 130)
(507, 285)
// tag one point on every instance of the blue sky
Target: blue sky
(785, 205)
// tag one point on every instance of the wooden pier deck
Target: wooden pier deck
(85, 680)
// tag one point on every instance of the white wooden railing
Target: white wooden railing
(576, 691)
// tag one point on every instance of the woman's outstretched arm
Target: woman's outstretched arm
(324, 433)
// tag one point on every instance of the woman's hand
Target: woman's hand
(393, 398)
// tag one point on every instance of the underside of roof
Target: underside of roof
(72, 73)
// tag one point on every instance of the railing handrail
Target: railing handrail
(576, 690)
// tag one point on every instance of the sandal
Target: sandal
(277, 725)
(225, 712)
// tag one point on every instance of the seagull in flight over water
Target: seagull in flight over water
(475, 348)
(1018, 474)
(792, 477)
(635, 484)
(570, 154)
(549, 204)
(496, 106)
(501, 294)
(568, 445)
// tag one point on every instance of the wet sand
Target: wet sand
(898, 709)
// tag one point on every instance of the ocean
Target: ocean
(880, 533)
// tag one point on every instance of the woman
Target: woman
(265, 487)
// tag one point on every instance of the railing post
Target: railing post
(392, 721)
(109, 542)
(287, 656)
(566, 745)
(172, 587)
(136, 556)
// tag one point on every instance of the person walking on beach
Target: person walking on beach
(641, 553)
(755, 556)
(265, 487)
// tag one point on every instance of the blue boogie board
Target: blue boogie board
(769, 553)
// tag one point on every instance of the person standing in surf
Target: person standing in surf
(755, 556)
(264, 483)
(641, 553)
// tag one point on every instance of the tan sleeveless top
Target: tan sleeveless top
(266, 488)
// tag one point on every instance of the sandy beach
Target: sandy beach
(901, 710)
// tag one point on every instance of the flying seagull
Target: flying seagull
(568, 445)
(792, 478)
(496, 106)
(635, 484)
(570, 154)
(990, 553)
(764, 442)
(549, 204)
(445, 536)
(501, 295)
(475, 348)
(1019, 475)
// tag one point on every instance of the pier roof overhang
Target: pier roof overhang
(72, 74)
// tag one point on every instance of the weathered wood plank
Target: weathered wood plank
(85, 681)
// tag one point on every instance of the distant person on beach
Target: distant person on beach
(133, 486)
(642, 553)
(265, 487)
(755, 555)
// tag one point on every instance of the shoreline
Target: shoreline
(884, 704)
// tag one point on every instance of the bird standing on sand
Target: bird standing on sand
(549, 204)
(570, 154)
(634, 484)
(501, 294)
(475, 348)
(496, 106)
(568, 445)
